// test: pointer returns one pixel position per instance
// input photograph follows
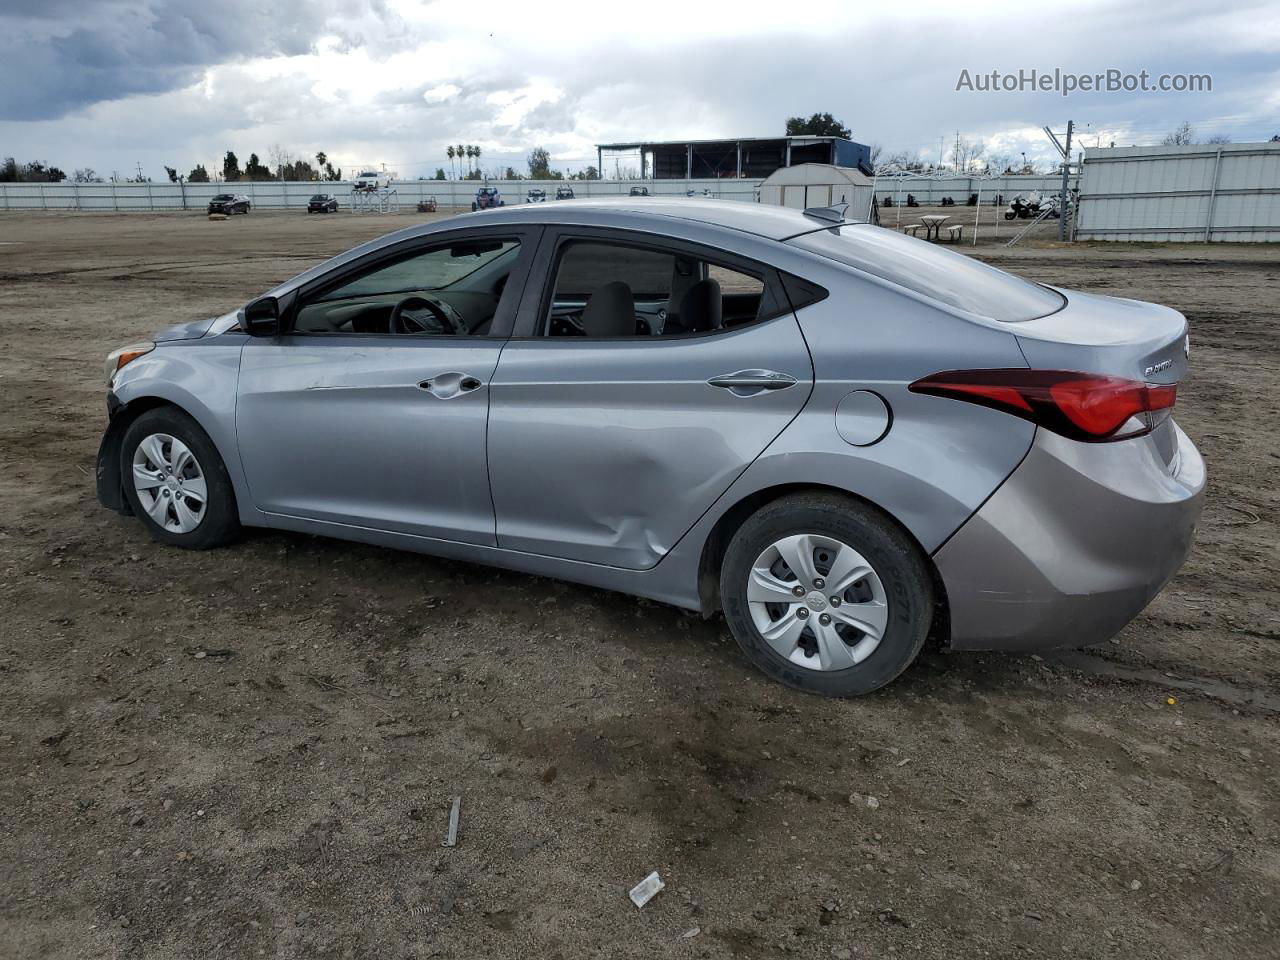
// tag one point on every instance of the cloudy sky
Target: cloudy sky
(109, 84)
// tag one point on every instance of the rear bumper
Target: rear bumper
(1074, 544)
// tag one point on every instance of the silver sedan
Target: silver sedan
(845, 439)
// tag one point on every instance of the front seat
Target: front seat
(701, 307)
(610, 312)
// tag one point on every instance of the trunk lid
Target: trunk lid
(1108, 335)
(1116, 337)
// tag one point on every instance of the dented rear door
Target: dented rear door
(608, 451)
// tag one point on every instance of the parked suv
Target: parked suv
(564, 193)
(323, 203)
(230, 203)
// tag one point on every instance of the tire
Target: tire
(218, 521)
(895, 597)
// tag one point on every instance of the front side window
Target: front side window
(607, 289)
(448, 290)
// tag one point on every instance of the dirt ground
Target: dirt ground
(251, 752)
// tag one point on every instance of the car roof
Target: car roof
(761, 219)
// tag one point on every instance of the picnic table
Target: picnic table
(932, 224)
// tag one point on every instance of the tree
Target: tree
(476, 154)
(198, 174)
(330, 173)
(450, 154)
(173, 174)
(819, 125)
(230, 167)
(1219, 138)
(35, 172)
(539, 161)
(1179, 136)
(511, 174)
(86, 175)
(966, 154)
(471, 152)
(321, 159)
(254, 170)
(298, 170)
(439, 174)
(588, 172)
(280, 158)
(459, 151)
(1000, 163)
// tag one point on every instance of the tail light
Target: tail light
(1082, 406)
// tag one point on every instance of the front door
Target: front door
(651, 377)
(371, 410)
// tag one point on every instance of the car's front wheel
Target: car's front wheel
(825, 594)
(175, 481)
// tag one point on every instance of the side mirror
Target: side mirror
(261, 318)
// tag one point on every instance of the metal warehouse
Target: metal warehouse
(754, 157)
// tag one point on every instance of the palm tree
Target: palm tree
(449, 153)
(471, 152)
(477, 150)
(459, 150)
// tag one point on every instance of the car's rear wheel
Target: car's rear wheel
(175, 481)
(825, 594)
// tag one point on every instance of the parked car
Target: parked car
(639, 191)
(535, 196)
(841, 437)
(322, 203)
(371, 181)
(564, 193)
(487, 198)
(230, 203)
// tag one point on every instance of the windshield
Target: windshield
(436, 269)
(223, 196)
(942, 275)
(320, 196)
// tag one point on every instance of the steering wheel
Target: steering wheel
(413, 315)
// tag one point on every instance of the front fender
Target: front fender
(198, 376)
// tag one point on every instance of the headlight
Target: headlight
(127, 354)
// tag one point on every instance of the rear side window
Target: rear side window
(942, 275)
(612, 288)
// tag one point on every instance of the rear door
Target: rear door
(607, 449)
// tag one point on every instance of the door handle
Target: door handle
(446, 386)
(748, 383)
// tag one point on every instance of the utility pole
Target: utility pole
(1062, 198)
(139, 171)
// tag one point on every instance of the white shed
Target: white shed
(819, 185)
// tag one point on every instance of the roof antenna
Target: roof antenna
(832, 214)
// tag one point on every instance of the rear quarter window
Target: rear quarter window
(937, 273)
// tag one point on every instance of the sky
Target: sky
(114, 84)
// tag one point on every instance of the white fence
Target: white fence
(278, 195)
(1202, 192)
(930, 190)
